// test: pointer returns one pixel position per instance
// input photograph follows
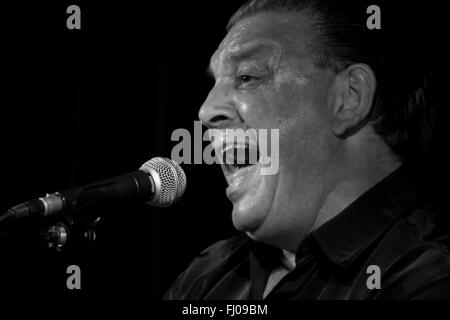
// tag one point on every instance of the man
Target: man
(342, 218)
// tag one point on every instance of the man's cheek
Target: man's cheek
(255, 109)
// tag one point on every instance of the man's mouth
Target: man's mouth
(239, 161)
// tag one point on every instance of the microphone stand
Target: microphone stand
(57, 234)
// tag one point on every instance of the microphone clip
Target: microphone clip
(58, 235)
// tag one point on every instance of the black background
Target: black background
(83, 105)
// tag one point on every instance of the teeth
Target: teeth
(234, 150)
(240, 156)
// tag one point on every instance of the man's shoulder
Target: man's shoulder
(208, 266)
(423, 271)
(225, 247)
(418, 263)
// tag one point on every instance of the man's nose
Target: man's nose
(219, 110)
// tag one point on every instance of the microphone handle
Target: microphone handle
(137, 185)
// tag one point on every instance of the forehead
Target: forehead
(268, 32)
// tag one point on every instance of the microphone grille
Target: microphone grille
(169, 178)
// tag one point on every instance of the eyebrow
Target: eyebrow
(247, 53)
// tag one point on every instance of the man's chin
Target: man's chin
(247, 220)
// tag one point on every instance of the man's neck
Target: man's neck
(354, 181)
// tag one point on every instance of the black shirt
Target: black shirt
(391, 226)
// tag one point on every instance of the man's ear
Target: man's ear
(356, 91)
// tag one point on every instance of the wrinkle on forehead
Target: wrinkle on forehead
(289, 33)
(254, 52)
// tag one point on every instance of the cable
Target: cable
(5, 216)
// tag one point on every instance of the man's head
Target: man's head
(306, 69)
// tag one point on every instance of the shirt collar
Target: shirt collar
(346, 236)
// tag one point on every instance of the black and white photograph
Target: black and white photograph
(224, 158)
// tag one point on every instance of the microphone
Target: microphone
(160, 182)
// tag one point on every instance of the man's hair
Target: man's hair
(400, 114)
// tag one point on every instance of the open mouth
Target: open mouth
(238, 154)
(238, 157)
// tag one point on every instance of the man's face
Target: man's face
(265, 78)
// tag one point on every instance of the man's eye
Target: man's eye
(244, 79)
